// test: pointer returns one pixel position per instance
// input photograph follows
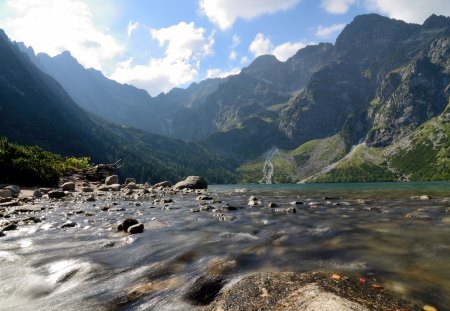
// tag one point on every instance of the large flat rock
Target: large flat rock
(289, 291)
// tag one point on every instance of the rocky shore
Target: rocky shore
(216, 288)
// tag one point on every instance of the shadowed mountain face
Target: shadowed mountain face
(381, 80)
(36, 110)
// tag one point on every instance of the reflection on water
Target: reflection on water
(379, 231)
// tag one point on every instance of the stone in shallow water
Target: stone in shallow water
(127, 223)
(139, 228)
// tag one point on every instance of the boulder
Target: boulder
(56, 194)
(6, 193)
(192, 182)
(130, 180)
(163, 184)
(113, 179)
(14, 189)
(138, 228)
(289, 291)
(68, 186)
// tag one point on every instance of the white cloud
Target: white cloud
(54, 26)
(185, 47)
(412, 11)
(219, 73)
(337, 6)
(244, 60)
(131, 27)
(286, 50)
(233, 55)
(236, 41)
(224, 13)
(325, 32)
(262, 45)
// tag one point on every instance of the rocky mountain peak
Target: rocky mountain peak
(436, 21)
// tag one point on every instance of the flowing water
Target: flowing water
(381, 232)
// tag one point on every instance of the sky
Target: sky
(157, 45)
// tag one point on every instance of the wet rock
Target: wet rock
(68, 186)
(130, 180)
(166, 201)
(113, 179)
(289, 291)
(127, 223)
(253, 201)
(8, 226)
(14, 189)
(204, 198)
(289, 210)
(272, 205)
(89, 214)
(2, 234)
(331, 198)
(9, 203)
(31, 219)
(204, 289)
(6, 193)
(205, 208)
(87, 189)
(192, 182)
(68, 224)
(163, 184)
(228, 207)
(90, 199)
(296, 203)
(138, 228)
(37, 193)
(56, 194)
(195, 210)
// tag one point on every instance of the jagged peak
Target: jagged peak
(436, 21)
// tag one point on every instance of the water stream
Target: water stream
(379, 231)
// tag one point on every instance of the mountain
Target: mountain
(386, 93)
(367, 96)
(36, 110)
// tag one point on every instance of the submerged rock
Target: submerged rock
(192, 182)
